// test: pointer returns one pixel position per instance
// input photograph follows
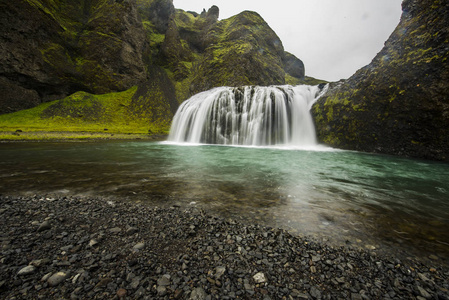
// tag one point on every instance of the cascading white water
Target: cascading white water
(257, 116)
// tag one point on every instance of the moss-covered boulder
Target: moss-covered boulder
(398, 104)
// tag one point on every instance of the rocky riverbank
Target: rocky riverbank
(72, 248)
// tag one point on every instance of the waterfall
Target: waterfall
(250, 115)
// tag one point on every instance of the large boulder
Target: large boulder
(399, 103)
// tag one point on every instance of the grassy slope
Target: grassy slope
(78, 116)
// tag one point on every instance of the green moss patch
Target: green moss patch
(84, 112)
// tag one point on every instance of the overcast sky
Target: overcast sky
(334, 38)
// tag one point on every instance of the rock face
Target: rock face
(157, 12)
(245, 50)
(293, 66)
(14, 97)
(398, 104)
(56, 49)
(241, 50)
(50, 49)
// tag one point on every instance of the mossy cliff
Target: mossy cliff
(241, 50)
(201, 52)
(50, 49)
(53, 48)
(398, 104)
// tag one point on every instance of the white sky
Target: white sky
(334, 38)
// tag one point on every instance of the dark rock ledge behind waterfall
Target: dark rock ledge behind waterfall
(71, 248)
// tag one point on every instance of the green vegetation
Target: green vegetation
(80, 115)
(155, 39)
(105, 47)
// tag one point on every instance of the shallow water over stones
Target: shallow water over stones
(368, 201)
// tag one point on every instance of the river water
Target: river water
(342, 197)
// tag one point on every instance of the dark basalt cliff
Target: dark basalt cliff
(398, 104)
(201, 52)
(52, 48)
(242, 50)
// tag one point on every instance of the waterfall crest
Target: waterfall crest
(250, 115)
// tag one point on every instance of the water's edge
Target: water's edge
(347, 198)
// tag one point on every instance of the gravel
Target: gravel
(76, 248)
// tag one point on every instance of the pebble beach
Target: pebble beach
(78, 248)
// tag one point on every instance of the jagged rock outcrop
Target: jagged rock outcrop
(155, 100)
(245, 50)
(241, 50)
(293, 66)
(158, 12)
(398, 104)
(174, 52)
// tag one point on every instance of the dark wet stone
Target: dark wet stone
(115, 230)
(57, 278)
(424, 293)
(44, 226)
(27, 270)
(131, 230)
(135, 283)
(121, 293)
(140, 293)
(198, 294)
(103, 282)
(315, 292)
(356, 296)
(161, 290)
(164, 280)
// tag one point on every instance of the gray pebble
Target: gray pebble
(424, 293)
(27, 270)
(115, 230)
(164, 280)
(139, 246)
(44, 226)
(57, 278)
(198, 294)
(223, 259)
